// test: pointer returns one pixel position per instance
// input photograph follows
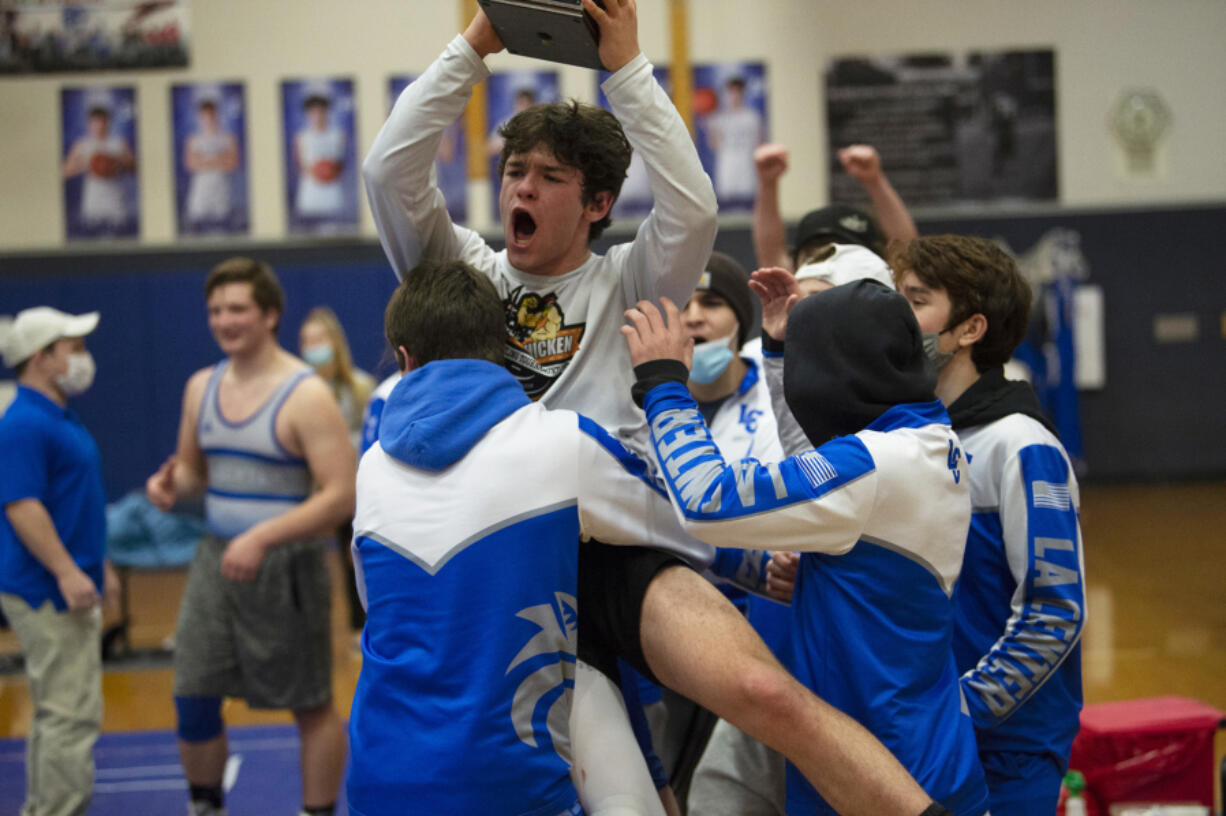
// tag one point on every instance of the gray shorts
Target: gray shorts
(268, 642)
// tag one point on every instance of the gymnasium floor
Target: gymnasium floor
(1156, 566)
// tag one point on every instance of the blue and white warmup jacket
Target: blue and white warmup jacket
(469, 510)
(374, 410)
(1021, 602)
(880, 518)
(744, 427)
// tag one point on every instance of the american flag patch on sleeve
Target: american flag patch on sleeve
(1051, 495)
(816, 468)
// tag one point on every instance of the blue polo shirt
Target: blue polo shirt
(48, 455)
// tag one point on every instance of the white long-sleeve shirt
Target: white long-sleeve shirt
(563, 343)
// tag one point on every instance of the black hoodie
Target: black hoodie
(853, 352)
(993, 397)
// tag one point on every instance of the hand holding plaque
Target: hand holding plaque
(587, 33)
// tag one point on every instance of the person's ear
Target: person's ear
(971, 331)
(599, 206)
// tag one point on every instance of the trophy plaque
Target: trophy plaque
(553, 30)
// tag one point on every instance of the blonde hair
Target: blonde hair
(342, 358)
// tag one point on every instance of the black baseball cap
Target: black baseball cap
(840, 224)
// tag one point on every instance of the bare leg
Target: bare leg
(322, 734)
(699, 645)
(204, 763)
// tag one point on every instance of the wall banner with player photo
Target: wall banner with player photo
(509, 93)
(950, 128)
(99, 168)
(730, 121)
(451, 162)
(210, 154)
(46, 36)
(635, 199)
(321, 172)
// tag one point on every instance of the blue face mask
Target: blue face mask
(711, 359)
(317, 356)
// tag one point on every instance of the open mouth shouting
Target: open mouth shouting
(523, 227)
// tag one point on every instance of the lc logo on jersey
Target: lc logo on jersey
(955, 457)
(539, 342)
(749, 418)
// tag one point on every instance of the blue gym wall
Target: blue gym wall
(1158, 418)
(153, 333)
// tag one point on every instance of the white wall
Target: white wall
(1102, 47)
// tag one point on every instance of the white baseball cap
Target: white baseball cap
(847, 263)
(39, 327)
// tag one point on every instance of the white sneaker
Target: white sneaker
(204, 809)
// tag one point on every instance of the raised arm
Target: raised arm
(864, 165)
(770, 241)
(671, 248)
(1039, 517)
(812, 502)
(408, 207)
(777, 289)
(619, 502)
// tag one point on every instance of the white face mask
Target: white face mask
(79, 376)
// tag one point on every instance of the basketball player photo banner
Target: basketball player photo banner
(321, 172)
(509, 93)
(210, 153)
(451, 163)
(635, 199)
(730, 116)
(98, 163)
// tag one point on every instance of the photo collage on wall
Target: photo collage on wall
(321, 179)
(730, 122)
(950, 128)
(451, 164)
(49, 36)
(99, 164)
(210, 156)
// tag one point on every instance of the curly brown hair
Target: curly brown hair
(582, 136)
(980, 278)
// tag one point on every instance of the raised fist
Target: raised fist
(861, 163)
(771, 161)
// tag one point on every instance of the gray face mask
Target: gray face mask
(932, 350)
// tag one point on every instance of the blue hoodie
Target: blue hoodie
(469, 511)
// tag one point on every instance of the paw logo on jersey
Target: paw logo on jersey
(541, 705)
(540, 344)
(955, 456)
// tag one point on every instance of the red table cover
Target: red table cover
(1153, 750)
